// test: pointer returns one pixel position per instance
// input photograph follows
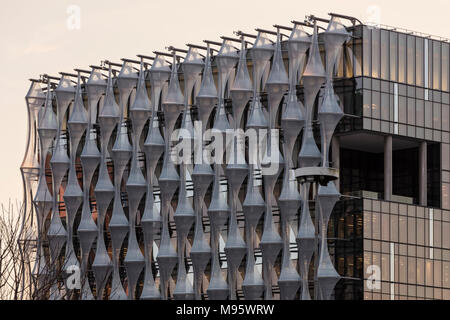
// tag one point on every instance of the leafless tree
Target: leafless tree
(20, 276)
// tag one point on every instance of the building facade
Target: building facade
(333, 185)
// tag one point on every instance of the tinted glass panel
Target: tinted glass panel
(445, 66)
(445, 117)
(411, 111)
(419, 62)
(411, 61)
(436, 116)
(436, 65)
(376, 53)
(385, 54)
(428, 114)
(367, 51)
(401, 57)
(419, 113)
(402, 109)
(367, 101)
(394, 55)
(385, 106)
(376, 99)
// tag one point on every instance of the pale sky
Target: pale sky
(36, 39)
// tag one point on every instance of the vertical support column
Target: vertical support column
(387, 168)
(423, 174)
(335, 157)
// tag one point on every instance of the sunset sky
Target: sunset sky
(41, 37)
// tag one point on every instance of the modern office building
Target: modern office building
(346, 196)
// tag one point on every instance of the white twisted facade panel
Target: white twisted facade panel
(172, 179)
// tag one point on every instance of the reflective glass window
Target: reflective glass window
(429, 273)
(420, 271)
(385, 220)
(384, 54)
(437, 224)
(376, 99)
(367, 102)
(385, 267)
(394, 228)
(445, 117)
(402, 109)
(393, 48)
(411, 230)
(368, 225)
(428, 114)
(412, 270)
(436, 65)
(420, 232)
(376, 225)
(403, 230)
(437, 274)
(446, 235)
(411, 61)
(445, 156)
(436, 116)
(376, 49)
(429, 44)
(403, 269)
(445, 67)
(385, 106)
(420, 113)
(419, 62)
(411, 111)
(401, 57)
(367, 50)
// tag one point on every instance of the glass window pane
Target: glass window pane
(385, 267)
(419, 62)
(411, 111)
(445, 197)
(401, 57)
(385, 227)
(412, 230)
(429, 44)
(376, 225)
(411, 47)
(429, 273)
(384, 54)
(412, 270)
(437, 274)
(428, 114)
(445, 156)
(420, 232)
(445, 116)
(376, 104)
(393, 55)
(394, 228)
(402, 269)
(436, 65)
(420, 272)
(367, 102)
(385, 106)
(419, 113)
(445, 67)
(436, 116)
(402, 109)
(367, 51)
(348, 59)
(403, 231)
(376, 53)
